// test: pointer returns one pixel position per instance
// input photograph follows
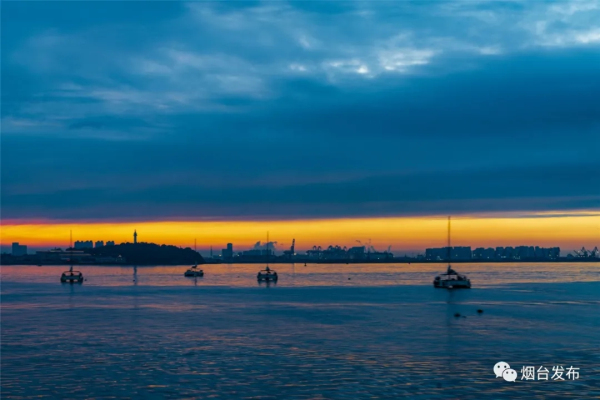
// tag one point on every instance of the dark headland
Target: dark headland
(121, 254)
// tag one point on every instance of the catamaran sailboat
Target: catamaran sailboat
(194, 271)
(451, 279)
(71, 276)
(267, 274)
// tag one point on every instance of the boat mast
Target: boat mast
(267, 254)
(71, 249)
(449, 248)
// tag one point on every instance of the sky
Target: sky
(327, 121)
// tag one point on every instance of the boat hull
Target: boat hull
(266, 278)
(448, 284)
(193, 274)
(71, 279)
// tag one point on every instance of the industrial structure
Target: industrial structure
(292, 251)
(493, 254)
(583, 253)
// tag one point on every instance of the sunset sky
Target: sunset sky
(328, 122)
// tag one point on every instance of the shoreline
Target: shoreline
(326, 262)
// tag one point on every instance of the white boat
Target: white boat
(451, 279)
(71, 276)
(193, 272)
(267, 275)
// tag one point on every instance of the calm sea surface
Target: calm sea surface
(323, 331)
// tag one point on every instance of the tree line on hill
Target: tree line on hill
(149, 254)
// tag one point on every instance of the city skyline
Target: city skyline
(408, 235)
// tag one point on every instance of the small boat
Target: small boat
(267, 275)
(451, 279)
(71, 276)
(193, 272)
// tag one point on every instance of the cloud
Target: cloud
(214, 105)
(456, 192)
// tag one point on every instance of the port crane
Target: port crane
(584, 253)
(291, 252)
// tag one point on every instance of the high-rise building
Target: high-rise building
(19, 249)
(134, 236)
(227, 253)
(99, 244)
(461, 253)
(499, 252)
(84, 244)
(110, 243)
(455, 253)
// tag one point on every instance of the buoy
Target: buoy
(457, 315)
(480, 311)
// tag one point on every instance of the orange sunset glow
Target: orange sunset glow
(409, 234)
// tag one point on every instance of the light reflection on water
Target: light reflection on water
(389, 334)
(295, 275)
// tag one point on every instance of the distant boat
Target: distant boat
(71, 276)
(451, 279)
(194, 271)
(267, 274)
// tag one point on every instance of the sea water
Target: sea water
(323, 331)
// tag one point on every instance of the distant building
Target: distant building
(343, 253)
(462, 253)
(524, 252)
(19, 249)
(457, 253)
(499, 253)
(517, 253)
(110, 243)
(99, 244)
(227, 253)
(436, 254)
(84, 244)
(134, 236)
(481, 253)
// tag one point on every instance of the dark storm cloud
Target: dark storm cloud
(264, 110)
(414, 194)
